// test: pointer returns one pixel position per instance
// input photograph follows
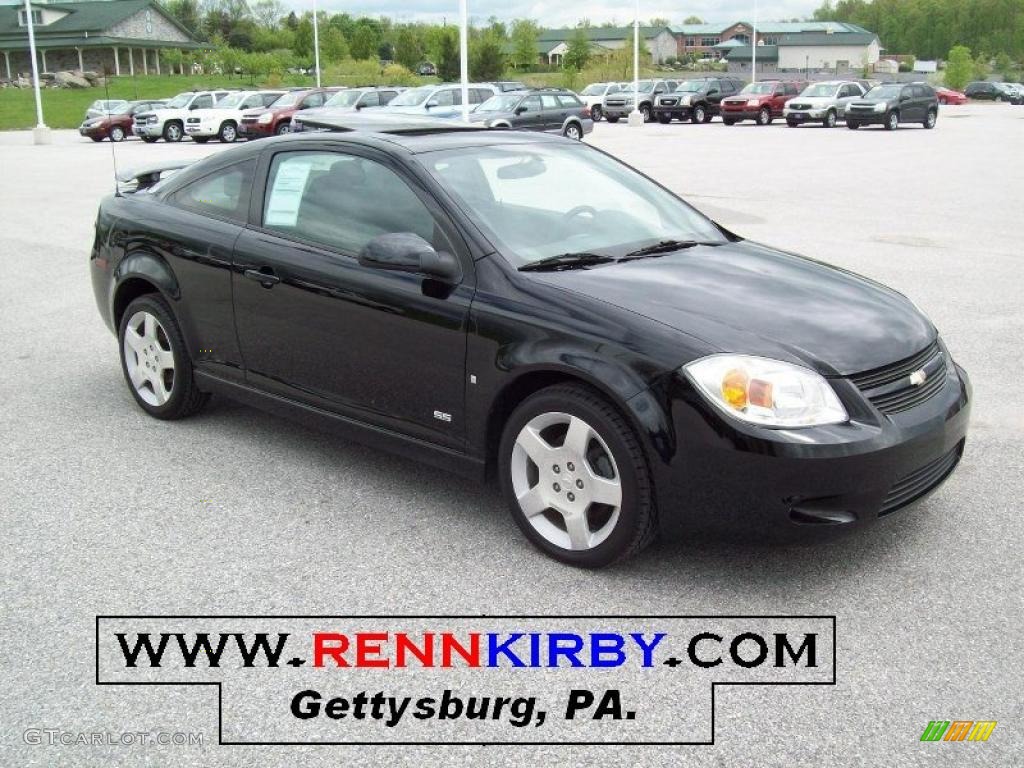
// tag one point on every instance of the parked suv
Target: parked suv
(620, 103)
(554, 111)
(168, 121)
(698, 99)
(115, 124)
(823, 103)
(890, 104)
(593, 96)
(983, 90)
(443, 100)
(276, 119)
(223, 119)
(762, 101)
(347, 100)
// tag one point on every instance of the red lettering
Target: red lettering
(405, 644)
(470, 655)
(368, 649)
(331, 645)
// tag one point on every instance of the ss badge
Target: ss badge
(917, 378)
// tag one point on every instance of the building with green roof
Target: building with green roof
(107, 36)
(553, 43)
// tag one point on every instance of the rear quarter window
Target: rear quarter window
(223, 194)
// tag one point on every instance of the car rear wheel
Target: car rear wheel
(595, 113)
(573, 131)
(664, 118)
(830, 119)
(764, 116)
(612, 118)
(852, 125)
(117, 133)
(155, 360)
(792, 123)
(700, 114)
(930, 118)
(172, 132)
(227, 133)
(892, 121)
(200, 139)
(149, 139)
(728, 121)
(576, 478)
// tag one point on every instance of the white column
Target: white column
(131, 62)
(40, 134)
(7, 61)
(464, 58)
(81, 66)
(156, 52)
(145, 62)
(42, 53)
(117, 61)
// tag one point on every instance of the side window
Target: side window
(712, 90)
(267, 99)
(568, 101)
(791, 89)
(251, 101)
(202, 102)
(387, 96)
(549, 101)
(223, 194)
(444, 98)
(479, 95)
(343, 201)
(530, 104)
(370, 99)
(313, 100)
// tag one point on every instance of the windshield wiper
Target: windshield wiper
(661, 248)
(566, 261)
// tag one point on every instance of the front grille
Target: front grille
(248, 120)
(615, 102)
(911, 487)
(667, 102)
(890, 389)
(798, 106)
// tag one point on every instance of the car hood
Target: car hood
(751, 299)
(813, 101)
(868, 102)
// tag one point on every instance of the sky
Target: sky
(552, 13)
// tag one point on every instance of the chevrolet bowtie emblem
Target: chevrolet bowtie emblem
(917, 378)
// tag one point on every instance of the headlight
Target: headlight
(752, 102)
(880, 107)
(766, 392)
(265, 118)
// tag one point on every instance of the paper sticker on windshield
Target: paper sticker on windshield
(286, 194)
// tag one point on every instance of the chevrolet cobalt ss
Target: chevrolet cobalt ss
(529, 306)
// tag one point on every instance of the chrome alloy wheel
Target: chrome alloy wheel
(565, 480)
(149, 358)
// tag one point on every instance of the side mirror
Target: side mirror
(408, 252)
(520, 110)
(359, 106)
(432, 103)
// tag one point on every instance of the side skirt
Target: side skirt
(367, 434)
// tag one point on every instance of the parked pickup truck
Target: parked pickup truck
(698, 99)
(762, 101)
(168, 122)
(620, 103)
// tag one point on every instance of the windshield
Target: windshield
(883, 92)
(343, 99)
(503, 102)
(819, 90)
(545, 200)
(595, 89)
(690, 86)
(180, 101)
(289, 99)
(645, 86)
(412, 97)
(112, 105)
(232, 100)
(759, 88)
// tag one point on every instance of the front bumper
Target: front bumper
(618, 110)
(680, 111)
(713, 472)
(149, 129)
(804, 115)
(255, 130)
(93, 132)
(866, 118)
(740, 113)
(200, 130)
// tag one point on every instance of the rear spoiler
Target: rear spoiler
(144, 177)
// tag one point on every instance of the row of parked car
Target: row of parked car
(229, 115)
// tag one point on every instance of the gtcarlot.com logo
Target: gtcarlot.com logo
(958, 730)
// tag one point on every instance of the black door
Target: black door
(385, 347)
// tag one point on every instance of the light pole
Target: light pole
(316, 44)
(753, 48)
(40, 134)
(464, 58)
(635, 118)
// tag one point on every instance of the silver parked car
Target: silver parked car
(823, 103)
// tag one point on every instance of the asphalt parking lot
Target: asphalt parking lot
(107, 511)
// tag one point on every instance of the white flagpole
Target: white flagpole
(41, 134)
(464, 57)
(316, 44)
(634, 115)
(753, 48)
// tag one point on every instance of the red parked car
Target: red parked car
(761, 101)
(949, 96)
(276, 119)
(116, 126)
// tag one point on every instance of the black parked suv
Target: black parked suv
(698, 99)
(554, 111)
(890, 104)
(986, 91)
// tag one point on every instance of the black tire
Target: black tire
(200, 139)
(699, 114)
(892, 121)
(645, 113)
(573, 131)
(637, 525)
(149, 139)
(930, 119)
(728, 121)
(830, 119)
(764, 116)
(228, 132)
(185, 397)
(173, 132)
(96, 138)
(853, 126)
(595, 113)
(612, 118)
(792, 123)
(664, 118)
(117, 133)
(283, 128)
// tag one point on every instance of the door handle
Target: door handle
(264, 276)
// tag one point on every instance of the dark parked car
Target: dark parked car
(890, 104)
(115, 125)
(698, 99)
(761, 102)
(552, 111)
(515, 303)
(983, 90)
(620, 103)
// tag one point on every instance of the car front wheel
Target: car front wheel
(699, 114)
(155, 360)
(227, 133)
(764, 116)
(117, 133)
(595, 113)
(830, 119)
(892, 121)
(645, 113)
(930, 118)
(576, 478)
(172, 132)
